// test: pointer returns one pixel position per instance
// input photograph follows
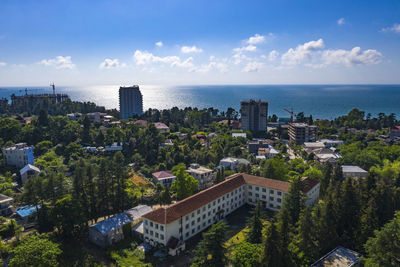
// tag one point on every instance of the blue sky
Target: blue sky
(198, 42)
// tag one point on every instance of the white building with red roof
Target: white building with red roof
(163, 177)
(171, 226)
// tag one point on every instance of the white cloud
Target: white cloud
(59, 62)
(351, 57)
(191, 49)
(256, 39)
(188, 63)
(159, 44)
(239, 57)
(144, 57)
(2, 64)
(221, 67)
(273, 55)
(302, 52)
(109, 63)
(341, 21)
(249, 48)
(253, 66)
(395, 28)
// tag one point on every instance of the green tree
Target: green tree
(36, 251)
(211, 250)
(294, 200)
(384, 248)
(255, 226)
(271, 256)
(304, 245)
(185, 184)
(247, 255)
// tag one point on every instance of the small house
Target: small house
(28, 172)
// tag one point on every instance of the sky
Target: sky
(180, 42)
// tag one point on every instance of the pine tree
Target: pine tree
(304, 245)
(271, 256)
(294, 200)
(255, 224)
(211, 250)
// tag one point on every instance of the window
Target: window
(146, 231)
(214, 203)
(223, 198)
(162, 237)
(264, 197)
(209, 206)
(264, 190)
(271, 198)
(198, 219)
(151, 224)
(151, 233)
(187, 234)
(204, 224)
(198, 212)
(209, 213)
(192, 214)
(193, 222)
(187, 226)
(213, 210)
(271, 206)
(219, 200)
(209, 220)
(204, 216)
(257, 195)
(156, 225)
(145, 222)
(250, 187)
(250, 194)
(279, 193)
(156, 235)
(192, 231)
(180, 230)
(198, 228)
(161, 228)
(257, 188)
(279, 200)
(187, 218)
(271, 191)
(204, 208)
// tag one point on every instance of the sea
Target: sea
(320, 101)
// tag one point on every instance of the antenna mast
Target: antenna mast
(54, 88)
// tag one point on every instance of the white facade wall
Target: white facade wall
(18, 156)
(313, 195)
(200, 219)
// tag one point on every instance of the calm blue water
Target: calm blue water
(322, 101)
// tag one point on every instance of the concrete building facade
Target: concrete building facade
(171, 226)
(130, 102)
(254, 115)
(302, 132)
(201, 174)
(18, 155)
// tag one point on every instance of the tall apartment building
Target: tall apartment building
(171, 226)
(201, 174)
(130, 101)
(18, 155)
(302, 132)
(254, 115)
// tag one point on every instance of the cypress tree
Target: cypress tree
(255, 225)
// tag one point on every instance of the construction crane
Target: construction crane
(26, 91)
(291, 113)
(54, 88)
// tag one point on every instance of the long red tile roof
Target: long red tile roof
(182, 208)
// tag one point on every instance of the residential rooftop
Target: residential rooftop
(166, 215)
(339, 257)
(349, 168)
(162, 175)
